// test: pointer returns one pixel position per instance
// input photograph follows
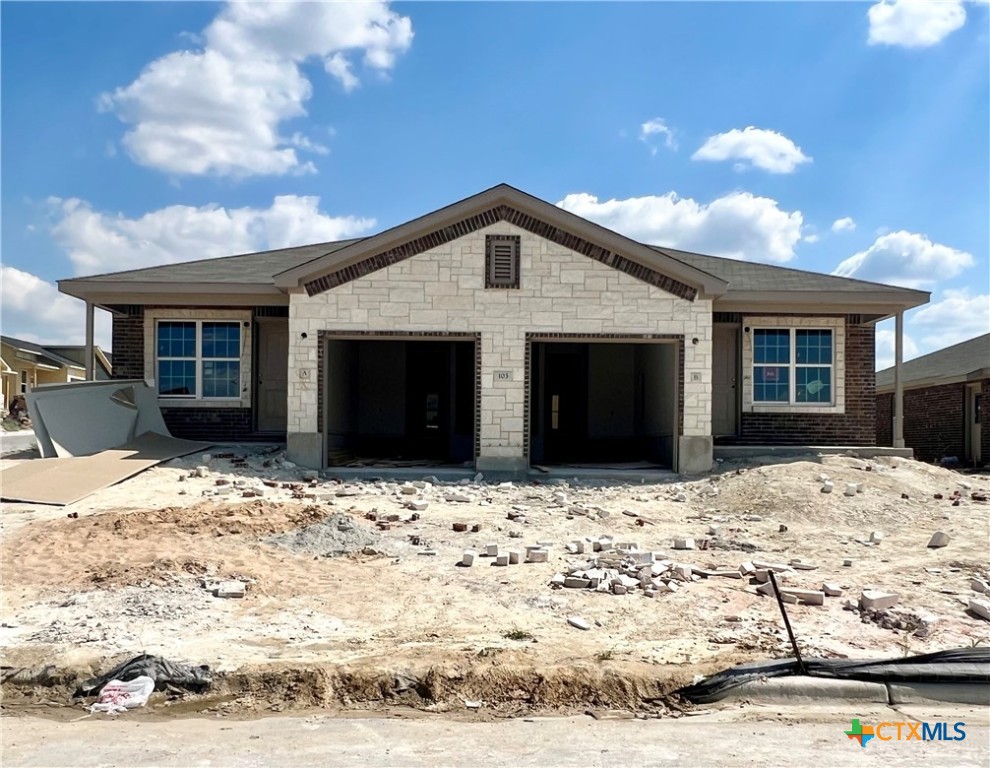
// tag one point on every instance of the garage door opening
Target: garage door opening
(402, 401)
(599, 403)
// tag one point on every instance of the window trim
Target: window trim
(490, 242)
(792, 366)
(199, 359)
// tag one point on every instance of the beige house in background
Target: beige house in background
(501, 332)
(26, 365)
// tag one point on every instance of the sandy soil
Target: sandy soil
(126, 576)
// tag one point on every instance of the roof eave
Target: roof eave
(934, 381)
(501, 195)
(886, 303)
(104, 292)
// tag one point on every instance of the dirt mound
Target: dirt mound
(253, 518)
(164, 571)
(336, 535)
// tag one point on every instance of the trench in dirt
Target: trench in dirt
(493, 689)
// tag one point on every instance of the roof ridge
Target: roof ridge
(941, 351)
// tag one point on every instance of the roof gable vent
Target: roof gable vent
(502, 261)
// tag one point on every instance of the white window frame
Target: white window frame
(793, 366)
(199, 359)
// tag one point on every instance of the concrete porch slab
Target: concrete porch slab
(730, 452)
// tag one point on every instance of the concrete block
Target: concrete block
(578, 623)
(461, 498)
(578, 545)
(459, 527)
(409, 490)
(876, 537)
(832, 589)
(877, 600)
(683, 543)
(747, 569)
(558, 580)
(230, 589)
(850, 489)
(502, 560)
(491, 550)
(618, 589)
(807, 596)
(980, 607)
(537, 556)
(979, 585)
(641, 558)
(683, 572)
(827, 486)
(515, 556)
(938, 540)
(467, 559)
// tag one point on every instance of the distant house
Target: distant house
(25, 365)
(943, 395)
(502, 332)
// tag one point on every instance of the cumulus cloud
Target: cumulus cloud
(957, 316)
(655, 130)
(914, 23)
(98, 241)
(753, 148)
(218, 110)
(32, 309)
(739, 225)
(846, 224)
(906, 259)
(885, 341)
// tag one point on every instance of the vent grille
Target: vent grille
(502, 261)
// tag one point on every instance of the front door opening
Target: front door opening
(603, 403)
(399, 400)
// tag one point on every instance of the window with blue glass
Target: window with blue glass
(793, 366)
(199, 359)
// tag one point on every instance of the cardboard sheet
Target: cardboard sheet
(62, 481)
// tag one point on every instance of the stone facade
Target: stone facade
(443, 290)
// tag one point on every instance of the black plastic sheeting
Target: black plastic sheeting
(960, 665)
(162, 671)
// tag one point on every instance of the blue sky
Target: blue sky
(837, 137)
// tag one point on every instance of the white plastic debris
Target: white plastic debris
(119, 696)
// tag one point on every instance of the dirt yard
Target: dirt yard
(353, 597)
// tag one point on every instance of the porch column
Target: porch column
(90, 354)
(898, 384)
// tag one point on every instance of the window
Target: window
(24, 381)
(502, 261)
(199, 359)
(792, 366)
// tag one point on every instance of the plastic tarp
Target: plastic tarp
(960, 665)
(160, 671)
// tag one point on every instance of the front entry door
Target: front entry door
(725, 370)
(974, 430)
(565, 406)
(272, 368)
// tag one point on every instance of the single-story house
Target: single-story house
(501, 331)
(943, 395)
(25, 365)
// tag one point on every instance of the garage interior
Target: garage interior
(407, 401)
(600, 403)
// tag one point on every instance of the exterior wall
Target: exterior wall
(985, 425)
(934, 421)
(133, 358)
(442, 290)
(855, 424)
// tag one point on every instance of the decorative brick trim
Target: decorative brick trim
(323, 336)
(484, 219)
(592, 338)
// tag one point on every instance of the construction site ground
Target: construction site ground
(393, 619)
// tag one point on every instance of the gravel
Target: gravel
(335, 536)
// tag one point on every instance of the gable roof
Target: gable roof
(268, 275)
(967, 360)
(47, 356)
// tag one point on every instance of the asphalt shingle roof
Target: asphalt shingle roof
(958, 360)
(36, 349)
(261, 268)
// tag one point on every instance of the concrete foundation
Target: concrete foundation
(694, 455)
(305, 449)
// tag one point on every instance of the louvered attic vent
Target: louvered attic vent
(502, 261)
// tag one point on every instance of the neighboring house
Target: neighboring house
(25, 365)
(501, 331)
(943, 395)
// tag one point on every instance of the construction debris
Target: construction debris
(938, 540)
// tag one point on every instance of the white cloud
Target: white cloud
(846, 224)
(100, 242)
(218, 110)
(34, 310)
(753, 147)
(739, 225)
(812, 238)
(914, 23)
(655, 129)
(956, 317)
(906, 259)
(885, 341)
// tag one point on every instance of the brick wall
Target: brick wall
(193, 422)
(855, 426)
(443, 290)
(885, 419)
(935, 421)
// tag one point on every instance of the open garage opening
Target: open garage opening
(604, 403)
(400, 400)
